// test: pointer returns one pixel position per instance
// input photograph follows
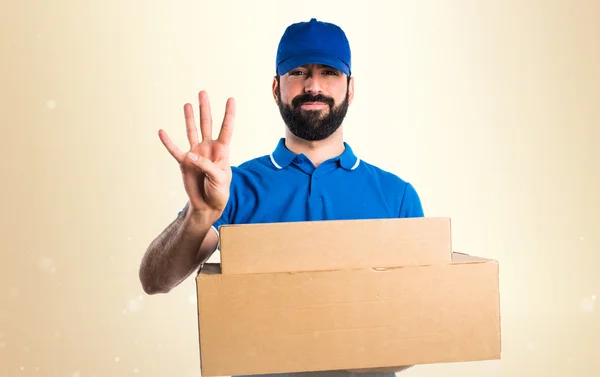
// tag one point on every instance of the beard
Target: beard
(312, 125)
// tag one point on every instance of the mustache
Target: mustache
(299, 100)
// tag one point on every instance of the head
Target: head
(313, 87)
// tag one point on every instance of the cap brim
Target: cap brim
(312, 58)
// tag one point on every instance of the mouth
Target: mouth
(313, 106)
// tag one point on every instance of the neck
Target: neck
(316, 151)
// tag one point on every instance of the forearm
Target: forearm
(174, 254)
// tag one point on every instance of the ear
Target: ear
(274, 89)
(351, 90)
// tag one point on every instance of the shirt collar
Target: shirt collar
(282, 157)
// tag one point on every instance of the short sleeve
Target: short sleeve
(411, 203)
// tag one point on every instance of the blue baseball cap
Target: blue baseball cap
(313, 42)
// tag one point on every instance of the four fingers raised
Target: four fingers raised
(225, 134)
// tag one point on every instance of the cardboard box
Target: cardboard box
(334, 245)
(358, 318)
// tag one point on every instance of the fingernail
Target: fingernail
(193, 156)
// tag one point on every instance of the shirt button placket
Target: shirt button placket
(314, 199)
(311, 185)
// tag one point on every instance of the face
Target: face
(313, 100)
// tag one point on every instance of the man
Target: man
(311, 175)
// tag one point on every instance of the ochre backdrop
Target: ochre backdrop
(491, 109)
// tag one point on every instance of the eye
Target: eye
(296, 73)
(331, 72)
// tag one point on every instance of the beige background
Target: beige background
(490, 108)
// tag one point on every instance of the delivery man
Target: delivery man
(312, 174)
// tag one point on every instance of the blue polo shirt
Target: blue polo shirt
(286, 187)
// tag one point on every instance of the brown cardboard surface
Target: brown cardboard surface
(348, 319)
(332, 245)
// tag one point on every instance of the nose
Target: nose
(312, 84)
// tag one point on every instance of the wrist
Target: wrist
(201, 219)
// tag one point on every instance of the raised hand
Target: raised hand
(205, 167)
